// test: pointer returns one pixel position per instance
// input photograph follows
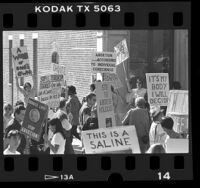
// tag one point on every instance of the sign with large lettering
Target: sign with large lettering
(111, 140)
(50, 89)
(105, 109)
(121, 51)
(103, 62)
(35, 115)
(157, 88)
(21, 61)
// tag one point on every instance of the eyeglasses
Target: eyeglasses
(8, 109)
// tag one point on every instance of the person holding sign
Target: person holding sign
(140, 118)
(57, 143)
(28, 91)
(139, 91)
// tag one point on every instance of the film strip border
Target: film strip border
(97, 167)
(130, 16)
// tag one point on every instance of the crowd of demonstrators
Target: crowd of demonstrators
(153, 128)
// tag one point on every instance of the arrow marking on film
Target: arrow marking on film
(50, 177)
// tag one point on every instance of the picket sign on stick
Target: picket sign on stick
(157, 88)
(103, 62)
(21, 61)
(105, 108)
(111, 140)
(122, 55)
(50, 89)
(35, 115)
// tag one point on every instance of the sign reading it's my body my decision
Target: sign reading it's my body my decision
(121, 51)
(50, 89)
(158, 88)
(111, 140)
(36, 113)
(103, 62)
(21, 61)
(105, 109)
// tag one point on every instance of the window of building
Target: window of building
(55, 57)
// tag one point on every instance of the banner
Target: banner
(35, 115)
(105, 109)
(111, 140)
(21, 61)
(157, 88)
(114, 79)
(177, 109)
(50, 89)
(121, 51)
(103, 62)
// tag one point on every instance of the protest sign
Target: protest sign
(35, 115)
(158, 88)
(105, 109)
(21, 61)
(177, 109)
(59, 69)
(121, 51)
(111, 140)
(177, 145)
(50, 89)
(103, 62)
(113, 79)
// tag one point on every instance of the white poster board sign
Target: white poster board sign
(105, 108)
(111, 140)
(157, 88)
(103, 62)
(50, 89)
(21, 61)
(59, 69)
(121, 51)
(177, 146)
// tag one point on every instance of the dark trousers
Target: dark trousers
(75, 133)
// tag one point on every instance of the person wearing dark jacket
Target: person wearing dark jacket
(92, 121)
(16, 124)
(75, 107)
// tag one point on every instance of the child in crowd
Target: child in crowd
(14, 140)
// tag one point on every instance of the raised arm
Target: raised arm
(18, 87)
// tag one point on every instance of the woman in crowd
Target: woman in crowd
(139, 91)
(156, 134)
(57, 142)
(7, 116)
(28, 91)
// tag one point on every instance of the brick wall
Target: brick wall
(74, 48)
